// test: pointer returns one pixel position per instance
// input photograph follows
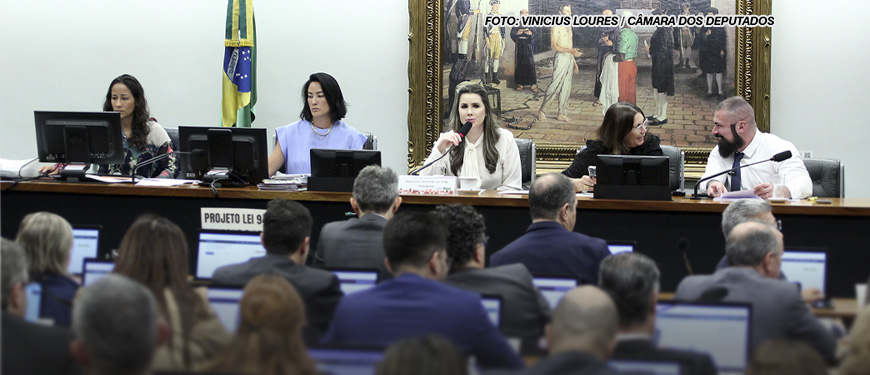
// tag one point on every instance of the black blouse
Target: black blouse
(589, 156)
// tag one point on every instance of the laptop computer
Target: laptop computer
(33, 292)
(492, 304)
(355, 279)
(86, 244)
(646, 366)
(346, 360)
(808, 268)
(617, 247)
(217, 249)
(95, 269)
(720, 329)
(554, 287)
(225, 302)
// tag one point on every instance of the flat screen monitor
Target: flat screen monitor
(86, 244)
(95, 269)
(79, 139)
(218, 249)
(722, 330)
(335, 170)
(645, 366)
(225, 302)
(492, 305)
(355, 280)
(554, 287)
(346, 361)
(239, 154)
(807, 267)
(633, 177)
(34, 302)
(617, 247)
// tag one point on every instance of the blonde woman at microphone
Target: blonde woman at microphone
(487, 152)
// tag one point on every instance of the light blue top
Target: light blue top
(297, 140)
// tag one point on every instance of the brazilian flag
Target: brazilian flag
(240, 65)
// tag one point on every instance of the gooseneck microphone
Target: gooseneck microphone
(195, 152)
(776, 158)
(463, 131)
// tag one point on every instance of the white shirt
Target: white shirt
(508, 174)
(763, 147)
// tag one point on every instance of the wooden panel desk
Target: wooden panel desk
(656, 226)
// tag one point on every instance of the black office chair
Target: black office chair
(676, 166)
(527, 160)
(180, 160)
(827, 176)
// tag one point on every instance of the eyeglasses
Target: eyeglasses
(643, 125)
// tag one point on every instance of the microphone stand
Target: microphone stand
(149, 162)
(417, 171)
(728, 171)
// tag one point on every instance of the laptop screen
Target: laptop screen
(353, 281)
(220, 249)
(617, 247)
(85, 245)
(34, 302)
(492, 306)
(554, 288)
(650, 367)
(96, 269)
(722, 330)
(805, 267)
(346, 361)
(225, 302)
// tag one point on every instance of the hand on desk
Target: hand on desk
(584, 184)
(716, 189)
(48, 170)
(811, 295)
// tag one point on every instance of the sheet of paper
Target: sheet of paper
(109, 179)
(514, 192)
(733, 195)
(165, 182)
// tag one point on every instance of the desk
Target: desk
(656, 226)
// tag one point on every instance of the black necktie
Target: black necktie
(735, 180)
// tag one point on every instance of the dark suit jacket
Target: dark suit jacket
(58, 292)
(778, 312)
(354, 243)
(548, 248)
(525, 311)
(410, 306)
(566, 363)
(691, 363)
(318, 288)
(35, 349)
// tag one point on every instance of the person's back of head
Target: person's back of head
(13, 277)
(465, 230)
(784, 357)
(753, 244)
(744, 210)
(47, 240)
(412, 239)
(632, 281)
(286, 226)
(585, 321)
(115, 321)
(375, 189)
(428, 355)
(548, 196)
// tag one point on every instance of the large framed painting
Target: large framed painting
(450, 44)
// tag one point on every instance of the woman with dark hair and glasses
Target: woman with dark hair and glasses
(623, 132)
(320, 126)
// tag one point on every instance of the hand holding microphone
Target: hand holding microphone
(450, 139)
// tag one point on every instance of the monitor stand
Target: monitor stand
(74, 172)
(222, 178)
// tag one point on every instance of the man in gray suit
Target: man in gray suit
(754, 250)
(358, 242)
(286, 230)
(525, 311)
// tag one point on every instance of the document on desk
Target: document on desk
(735, 195)
(514, 192)
(109, 179)
(165, 182)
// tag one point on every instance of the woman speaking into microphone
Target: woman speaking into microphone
(487, 152)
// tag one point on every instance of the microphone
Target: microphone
(463, 131)
(776, 158)
(683, 245)
(198, 152)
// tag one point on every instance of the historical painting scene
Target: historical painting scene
(553, 84)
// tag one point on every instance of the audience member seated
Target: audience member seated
(117, 327)
(427, 355)
(785, 357)
(524, 309)
(28, 348)
(320, 126)
(550, 245)
(48, 240)
(632, 281)
(154, 253)
(416, 302)
(857, 361)
(269, 337)
(754, 250)
(488, 152)
(359, 242)
(286, 231)
(623, 132)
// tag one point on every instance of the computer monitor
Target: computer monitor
(554, 287)
(78, 139)
(806, 266)
(86, 244)
(95, 269)
(218, 249)
(492, 305)
(617, 247)
(720, 329)
(335, 170)
(225, 302)
(355, 280)
(229, 156)
(645, 366)
(33, 293)
(633, 177)
(346, 360)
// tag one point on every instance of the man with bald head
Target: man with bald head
(741, 143)
(754, 249)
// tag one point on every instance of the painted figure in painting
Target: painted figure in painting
(564, 67)
(626, 51)
(524, 74)
(660, 49)
(713, 57)
(494, 46)
(686, 38)
(606, 42)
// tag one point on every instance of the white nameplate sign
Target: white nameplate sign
(441, 185)
(240, 219)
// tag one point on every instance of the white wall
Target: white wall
(61, 55)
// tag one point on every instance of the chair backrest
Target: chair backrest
(827, 176)
(371, 142)
(173, 136)
(527, 160)
(675, 166)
